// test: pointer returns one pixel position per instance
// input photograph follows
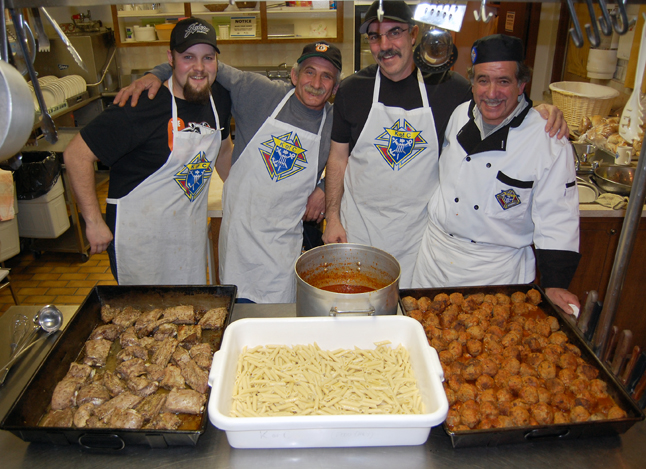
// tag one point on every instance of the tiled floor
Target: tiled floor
(56, 277)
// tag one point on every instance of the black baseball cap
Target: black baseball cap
(191, 31)
(324, 50)
(497, 48)
(396, 11)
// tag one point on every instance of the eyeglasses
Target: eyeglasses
(392, 35)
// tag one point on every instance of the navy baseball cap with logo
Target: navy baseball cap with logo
(395, 11)
(497, 48)
(191, 31)
(324, 50)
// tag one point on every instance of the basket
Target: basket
(216, 6)
(164, 30)
(578, 100)
(246, 5)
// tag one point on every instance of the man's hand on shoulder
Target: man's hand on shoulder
(148, 82)
(555, 120)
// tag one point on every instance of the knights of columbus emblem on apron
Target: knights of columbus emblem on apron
(402, 144)
(508, 199)
(194, 176)
(283, 156)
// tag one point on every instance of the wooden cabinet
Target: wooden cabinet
(599, 242)
(274, 22)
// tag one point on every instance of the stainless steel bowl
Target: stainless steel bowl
(615, 179)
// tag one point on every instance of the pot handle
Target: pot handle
(335, 311)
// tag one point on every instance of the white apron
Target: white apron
(263, 205)
(161, 227)
(389, 179)
(470, 264)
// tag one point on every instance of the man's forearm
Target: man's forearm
(334, 174)
(79, 164)
(162, 71)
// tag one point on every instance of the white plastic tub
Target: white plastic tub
(328, 431)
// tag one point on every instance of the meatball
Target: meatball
(434, 332)
(429, 318)
(533, 297)
(455, 348)
(485, 424)
(484, 382)
(409, 303)
(466, 392)
(502, 421)
(416, 314)
(501, 311)
(518, 308)
(489, 410)
(546, 370)
(567, 376)
(528, 394)
(573, 349)
(453, 368)
(543, 413)
(489, 367)
(561, 417)
(553, 353)
(424, 303)
(562, 401)
(437, 307)
(518, 297)
(456, 299)
(455, 381)
(598, 388)
(543, 328)
(526, 370)
(502, 299)
(488, 395)
(544, 395)
(503, 395)
(469, 416)
(438, 344)
(450, 395)
(502, 378)
(491, 344)
(511, 365)
(491, 299)
(511, 338)
(463, 337)
(449, 335)
(446, 357)
(530, 325)
(514, 327)
(512, 352)
(520, 416)
(534, 359)
(474, 347)
(475, 299)
(587, 371)
(447, 318)
(578, 385)
(567, 361)
(616, 413)
(476, 332)
(558, 338)
(495, 330)
(482, 314)
(554, 385)
(519, 320)
(553, 323)
(579, 414)
(453, 418)
(468, 319)
(533, 342)
(531, 381)
(585, 399)
(515, 384)
(472, 370)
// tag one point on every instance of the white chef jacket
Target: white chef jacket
(517, 187)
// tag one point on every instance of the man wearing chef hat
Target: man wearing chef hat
(272, 178)
(504, 185)
(161, 157)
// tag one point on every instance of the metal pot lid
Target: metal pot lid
(425, 67)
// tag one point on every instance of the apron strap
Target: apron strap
(282, 103)
(420, 82)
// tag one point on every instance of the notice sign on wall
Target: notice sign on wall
(509, 21)
(243, 26)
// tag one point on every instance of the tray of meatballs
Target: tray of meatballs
(515, 370)
(131, 368)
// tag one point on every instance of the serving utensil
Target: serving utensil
(43, 40)
(632, 115)
(64, 38)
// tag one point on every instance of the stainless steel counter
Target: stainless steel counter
(213, 451)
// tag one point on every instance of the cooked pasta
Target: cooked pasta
(276, 380)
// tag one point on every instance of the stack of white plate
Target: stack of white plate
(57, 90)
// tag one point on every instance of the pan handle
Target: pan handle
(101, 442)
(539, 434)
(335, 311)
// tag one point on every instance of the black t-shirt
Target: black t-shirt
(134, 142)
(353, 101)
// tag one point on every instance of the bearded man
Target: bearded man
(161, 156)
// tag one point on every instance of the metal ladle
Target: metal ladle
(50, 319)
(436, 46)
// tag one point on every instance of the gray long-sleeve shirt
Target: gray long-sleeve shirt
(254, 97)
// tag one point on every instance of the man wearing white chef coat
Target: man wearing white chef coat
(503, 186)
(161, 157)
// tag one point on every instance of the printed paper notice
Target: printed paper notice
(509, 21)
(243, 26)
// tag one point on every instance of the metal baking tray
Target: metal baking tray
(515, 435)
(33, 403)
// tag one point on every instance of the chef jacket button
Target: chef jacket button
(476, 207)
(468, 158)
(488, 165)
(456, 200)
(473, 241)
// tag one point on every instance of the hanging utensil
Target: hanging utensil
(630, 365)
(43, 40)
(47, 123)
(592, 31)
(632, 115)
(605, 23)
(575, 31)
(4, 50)
(64, 38)
(620, 357)
(623, 14)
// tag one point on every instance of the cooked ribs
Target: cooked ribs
(147, 318)
(202, 355)
(185, 401)
(131, 368)
(107, 331)
(180, 356)
(58, 418)
(96, 352)
(142, 386)
(151, 406)
(115, 385)
(172, 378)
(189, 335)
(180, 314)
(194, 376)
(165, 351)
(64, 395)
(94, 393)
(154, 372)
(82, 414)
(129, 338)
(128, 353)
(127, 317)
(152, 327)
(213, 319)
(166, 421)
(80, 371)
(128, 418)
(123, 401)
(108, 313)
(165, 331)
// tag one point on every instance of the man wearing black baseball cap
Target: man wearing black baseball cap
(273, 176)
(516, 189)
(161, 157)
(389, 123)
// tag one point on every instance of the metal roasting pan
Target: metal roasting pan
(516, 435)
(33, 403)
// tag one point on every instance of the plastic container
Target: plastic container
(45, 216)
(332, 430)
(145, 34)
(164, 30)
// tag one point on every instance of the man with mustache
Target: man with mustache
(161, 157)
(272, 178)
(389, 123)
(504, 186)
